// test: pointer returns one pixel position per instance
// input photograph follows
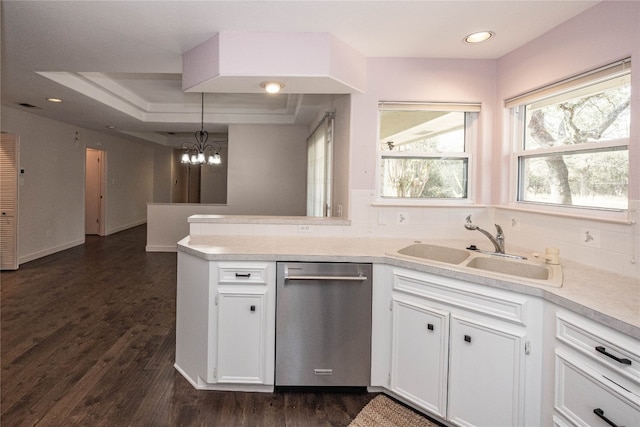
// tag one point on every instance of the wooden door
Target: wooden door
(93, 191)
(9, 202)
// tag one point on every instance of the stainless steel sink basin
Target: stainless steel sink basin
(512, 268)
(435, 253)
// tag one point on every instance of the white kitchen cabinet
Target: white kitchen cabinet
(597, 380)
(470, 368)
(225, 324)
(485, 374)
(242, 322)
(420, 354)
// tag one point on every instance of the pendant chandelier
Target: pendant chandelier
(201, 152)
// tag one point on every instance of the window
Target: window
(572, 141)
(424, 150)
(319, 167)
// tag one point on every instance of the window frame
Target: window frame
(471, 111)
(515, 114)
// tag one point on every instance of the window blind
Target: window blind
(465, 107)
(616, 69)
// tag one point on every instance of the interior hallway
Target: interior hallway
(88, 338)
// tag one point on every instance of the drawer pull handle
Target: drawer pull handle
(600, 413)
(603, 350)
(247, 275)
(467, 338)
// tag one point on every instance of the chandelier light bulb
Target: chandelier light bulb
(198, 153)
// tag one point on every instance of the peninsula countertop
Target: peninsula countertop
(608, 298)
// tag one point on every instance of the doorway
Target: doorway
(94, 202)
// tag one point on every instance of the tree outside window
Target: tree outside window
(575, 146)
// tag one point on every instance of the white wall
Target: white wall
(267, 170)
(51, 208)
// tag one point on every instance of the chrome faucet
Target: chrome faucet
(498, 240)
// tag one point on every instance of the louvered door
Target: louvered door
(9, 202)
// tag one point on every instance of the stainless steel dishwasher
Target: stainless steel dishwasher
(323, 324)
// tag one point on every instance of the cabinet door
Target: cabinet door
(419, 355)
(241, 336)
(486, 370)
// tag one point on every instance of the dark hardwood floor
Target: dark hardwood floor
(88, 339)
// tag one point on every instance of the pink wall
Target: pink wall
(601, 35)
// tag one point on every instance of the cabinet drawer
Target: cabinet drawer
(586, 398)
(242, 273)
(611, 348)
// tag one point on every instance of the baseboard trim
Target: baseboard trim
(161, 248)
(49, 251)
(125, 227)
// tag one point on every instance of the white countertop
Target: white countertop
(608, 298)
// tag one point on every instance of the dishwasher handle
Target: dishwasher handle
(359, 278)
(341, 278)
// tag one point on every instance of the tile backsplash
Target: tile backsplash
(608, 246)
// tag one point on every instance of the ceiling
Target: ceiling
(117, 65)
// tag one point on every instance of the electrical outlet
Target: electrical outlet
(514, 223)
(382, 218)
(304, 229)
(590, 237)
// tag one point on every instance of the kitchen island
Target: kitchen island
(520, 336)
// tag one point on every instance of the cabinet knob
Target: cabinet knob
(467, 338)
(430, 326)
(253, 308)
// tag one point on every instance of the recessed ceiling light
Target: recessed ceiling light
(57, 100)
(479, 37)
(272, 87)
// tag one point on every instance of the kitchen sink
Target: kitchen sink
(542, 274)
(512, 268)
(435, 253)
